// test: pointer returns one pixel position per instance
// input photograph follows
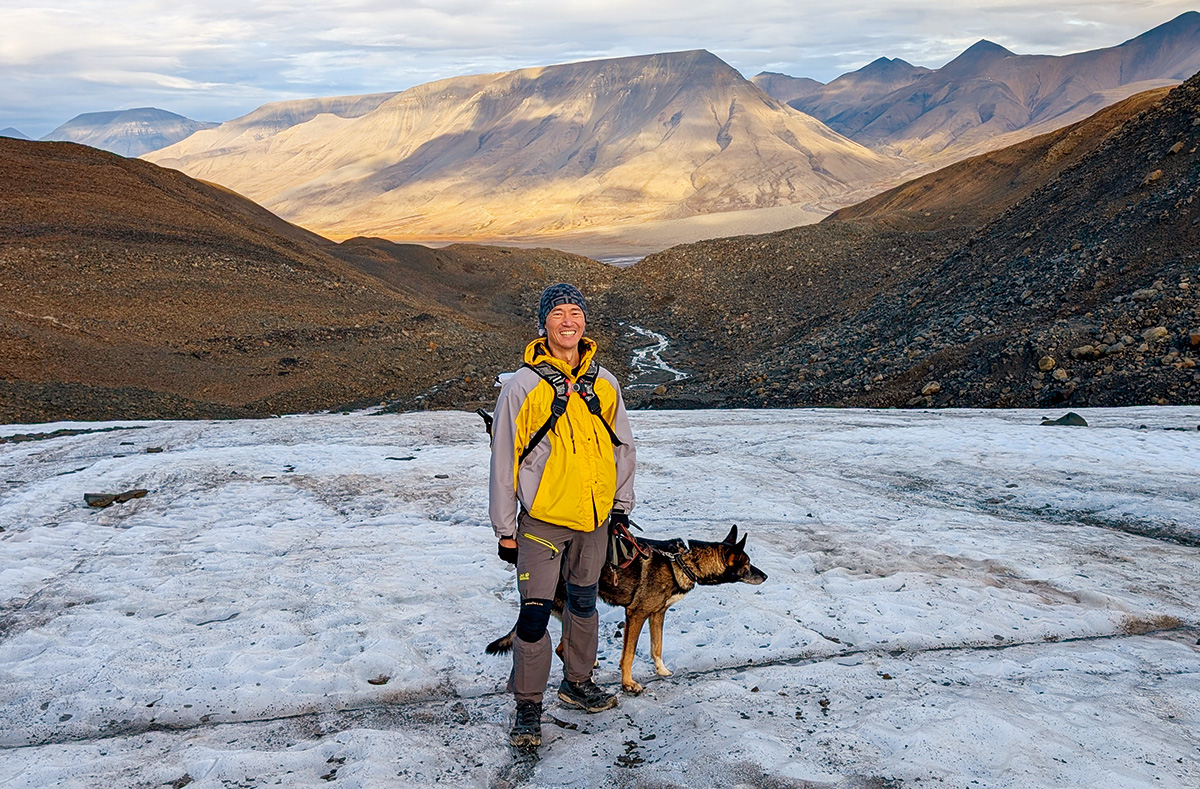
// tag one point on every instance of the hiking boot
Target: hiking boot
(586, 695)
(527, 726)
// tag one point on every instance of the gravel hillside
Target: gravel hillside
(134, 291)
(1083, 292)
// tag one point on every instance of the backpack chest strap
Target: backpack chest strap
(584, 386)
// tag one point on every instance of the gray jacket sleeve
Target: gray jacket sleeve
(502, 495)
(626, 454)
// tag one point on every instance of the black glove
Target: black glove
(618, 518)
(507, 554)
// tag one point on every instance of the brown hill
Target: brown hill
(1083, 291)
(537, 151)
(975, 190)
(130, 290)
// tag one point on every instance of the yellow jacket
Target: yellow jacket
(575, 475)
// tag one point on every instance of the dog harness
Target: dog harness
(623, 548)
(676, 558)
(584, 386)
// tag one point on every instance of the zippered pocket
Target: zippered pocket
(540, 541)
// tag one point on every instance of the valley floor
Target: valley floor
(632, 242)
(955, 598)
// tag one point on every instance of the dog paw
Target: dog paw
(663, 671)
(632, 688)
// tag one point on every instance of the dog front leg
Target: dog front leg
(633, 629)
(656, 623)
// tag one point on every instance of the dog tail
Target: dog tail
(503, 644)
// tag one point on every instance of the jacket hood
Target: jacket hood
(538, 351)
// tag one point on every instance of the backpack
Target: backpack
(585, 386)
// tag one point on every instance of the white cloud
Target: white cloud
(143, 79)
(216, 57)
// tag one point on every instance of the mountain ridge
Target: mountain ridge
(541, 150)
(973, 190)
(988, 97)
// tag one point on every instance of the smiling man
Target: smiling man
(562, 469)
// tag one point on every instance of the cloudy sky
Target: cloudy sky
(217, 59)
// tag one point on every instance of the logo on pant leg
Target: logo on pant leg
(523, 577)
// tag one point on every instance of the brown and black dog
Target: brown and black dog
(651, 584)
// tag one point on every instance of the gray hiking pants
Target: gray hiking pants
(543, 552)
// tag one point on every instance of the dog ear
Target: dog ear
(731, 538)
(741, 546)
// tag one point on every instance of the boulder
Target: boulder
(1155, 334)
(101, 500)
(1069, 419)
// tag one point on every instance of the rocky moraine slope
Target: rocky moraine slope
(1080, 288)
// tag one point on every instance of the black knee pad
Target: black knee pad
(532, 621)
(582, 599)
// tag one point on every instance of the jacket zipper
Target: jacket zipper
(540, 541)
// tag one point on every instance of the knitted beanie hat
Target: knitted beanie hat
(562, 293)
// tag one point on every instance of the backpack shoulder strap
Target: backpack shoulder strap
(586, 386)
(558, 406)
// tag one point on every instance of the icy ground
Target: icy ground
(956, 599)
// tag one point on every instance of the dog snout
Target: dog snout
(754, 576)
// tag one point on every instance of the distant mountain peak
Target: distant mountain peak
(1186, 19)
(13, 133)
(699, 62)
(699, 55)
(783, 87)
(887, 69)
(886, 63)
(1186, 24)
(128, 132)
(131, 114)
(984, 48)
(981, 54)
